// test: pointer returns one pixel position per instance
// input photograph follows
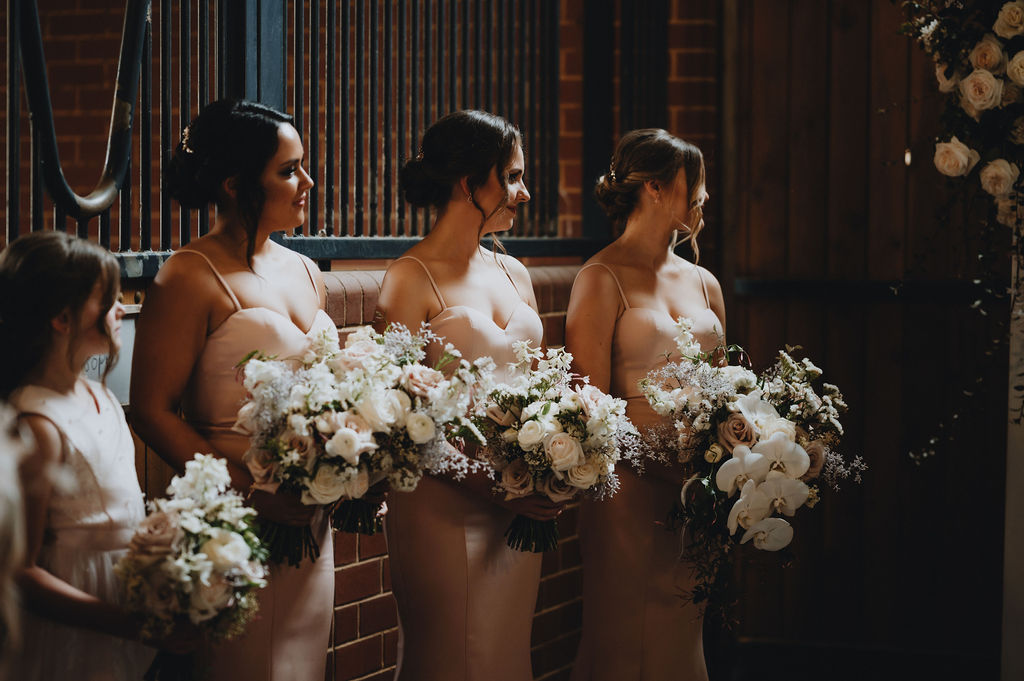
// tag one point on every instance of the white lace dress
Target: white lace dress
(87, 532)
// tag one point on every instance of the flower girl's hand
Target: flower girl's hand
(282, 508)
(535, 507)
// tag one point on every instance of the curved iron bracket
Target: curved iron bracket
(119, 140)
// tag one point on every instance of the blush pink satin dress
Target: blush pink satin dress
(288, 639)
(465, 600)
(636, 627)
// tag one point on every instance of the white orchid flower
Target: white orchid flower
(771, 534)
(752, 507)
(784, 457)
(786, 494)
(745, 465)
(757, 411)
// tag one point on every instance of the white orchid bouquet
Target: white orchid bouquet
(196, 556)
(978, 49)
(547, 436)
(768, 437)
(329, 425)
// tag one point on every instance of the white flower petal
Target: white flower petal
(771, 534)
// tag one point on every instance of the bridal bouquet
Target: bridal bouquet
(767, 437)
(195, 556)
(545, 436)
(332, 423)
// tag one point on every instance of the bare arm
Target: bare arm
(590, 324)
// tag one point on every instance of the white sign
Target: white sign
(119, 379)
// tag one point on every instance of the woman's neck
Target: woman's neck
(456, 235)
(228, 230)
(648, 239)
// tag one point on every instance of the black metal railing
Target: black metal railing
(363, 79)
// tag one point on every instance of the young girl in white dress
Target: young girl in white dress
(58, 306)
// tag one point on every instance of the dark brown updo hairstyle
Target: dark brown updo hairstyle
(466, 144)
(644, 155)
(229, 138)
(41, 275)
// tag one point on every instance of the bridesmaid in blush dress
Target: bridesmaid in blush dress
(620, 325)
(224, 295)
(465, 600)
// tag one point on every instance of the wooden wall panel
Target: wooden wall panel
(899, 577)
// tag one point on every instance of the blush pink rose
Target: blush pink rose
(736, 430)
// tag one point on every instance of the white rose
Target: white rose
(584, 476)
(954, 158)
(247, 422)
(1015, 69)
(349, 445)
(779, 425)
(590, 397)
(555, 489)
(981, 90)
(225, 549)
(998, 177)
(209, 599)
(988, 54)
(356, 355)
(740, 377)
(1010, 22)
(420, 427)
(516, 480)
(326, 487)
(945, 84)
(564, 451)
(531, 434)
(378, 409)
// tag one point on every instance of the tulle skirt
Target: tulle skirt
(54, 651)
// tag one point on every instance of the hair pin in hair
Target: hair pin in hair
(184, 140)
(611, 172)
(419, 156)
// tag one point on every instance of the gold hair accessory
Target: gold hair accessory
(611, 172)
(419, 156)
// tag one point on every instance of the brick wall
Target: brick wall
(82, 46)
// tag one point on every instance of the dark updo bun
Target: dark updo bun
(41, 275)
(462, 144)
(641, 156)
(228, 139)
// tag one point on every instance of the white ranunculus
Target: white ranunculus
(207, 600)
(420, 427)
(982, 91)
(784, 456)
(585, 475)
(1010, 22)
(757, 411)
(349, 445)
(402, 404)
(378, 410)
(225, 549)
(752, 507)
(988, 54)
(770, 534)
(945, 84)
(998, 177)
(531, 434)
(326, 487)
(954, 158)
(563, 450)
(745, 465)
(1015, 69)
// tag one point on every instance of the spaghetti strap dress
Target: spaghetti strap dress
(88, 528)
(636, 625)
(288, 639)
(465, 599)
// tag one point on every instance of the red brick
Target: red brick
(390, 648)
(82, 23)
(571, 118)
(572, 12)
(377, 614)
(692, 35)
(693, 93)
(358, 658)
(345, 545)
(692, 63)
(372, 545)
(356, 582)
(571, 61)
(346, 624)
